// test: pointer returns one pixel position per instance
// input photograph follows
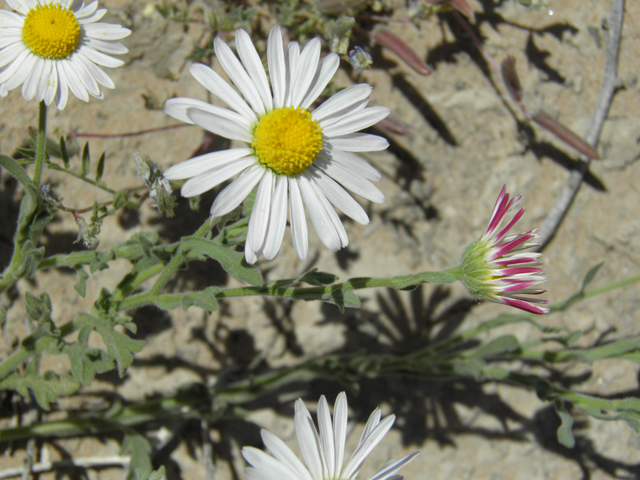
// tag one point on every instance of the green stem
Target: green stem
(175, 262)
(99, 185)
(40, 144)
(11, 363)
(299, 293)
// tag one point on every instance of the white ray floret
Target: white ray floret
(322, 449)
(53, 47)
(298, 158)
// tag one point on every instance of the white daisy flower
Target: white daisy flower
(51, 47)
(323, 453)
(295, 156)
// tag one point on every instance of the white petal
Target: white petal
(308, 438)
(100, 58)
(86, 10)
(357, 121)
(353, 163)
(95, 71)
(340, 197)
(253, 65)
(212, 178)
(213, 82)
(202, 163)
(177, 107)
(107, 47)
(331, 213)
(30, 85)
(259, 219)
(235, 193)
(277, 69)
(340, 414)
(265, 463)
(342, 100)
(65, 68)
(238, 75)
(21, 5)
(392, 467)
(325, 73)
(18, 70)
(292, 63)
(105, 31)
(326, 435)
(283, 453)
(78, 64)
(10, 19)
(86, 19)
(358, 142)
(350, 180)
(364, 449)
(307, 70)
(62, 95)
(221, 121)
(372, 423)
(299, 232)
(318, 215)
(9, 53)
(49, 83)
(278, 220)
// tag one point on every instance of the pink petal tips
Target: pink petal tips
(498, 268)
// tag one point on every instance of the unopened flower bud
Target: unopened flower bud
(359, 59)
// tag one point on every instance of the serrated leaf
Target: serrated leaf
(206, 300)
(81, 286)
(565, 435)
(100, 168)
(29, 255)
(139, 449)
(231, 261)
(87, 362)
(38, 308)
(46, 388)
(86, 159)
(119, 346)
(497, 346)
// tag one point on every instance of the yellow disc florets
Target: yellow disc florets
(51, 31)
(287, 140)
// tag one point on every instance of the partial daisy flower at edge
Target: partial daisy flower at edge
(497, 267)
(323, 451)
(52, 47)
(297, 157)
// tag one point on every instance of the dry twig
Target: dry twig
(607, 89)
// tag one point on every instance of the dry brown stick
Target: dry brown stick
(607, 89)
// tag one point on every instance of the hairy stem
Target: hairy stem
(40, 144)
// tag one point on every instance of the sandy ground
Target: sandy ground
(440, 182)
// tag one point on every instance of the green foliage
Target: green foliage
(139, 448)
(46, 388)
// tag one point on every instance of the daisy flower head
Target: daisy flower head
(297, 157)
(497, 267)
(323, 451)
(53, 46)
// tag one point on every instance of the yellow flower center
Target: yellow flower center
(51, 31)
(287, 140)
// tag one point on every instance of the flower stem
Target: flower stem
(40, 144)
(299, 293)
